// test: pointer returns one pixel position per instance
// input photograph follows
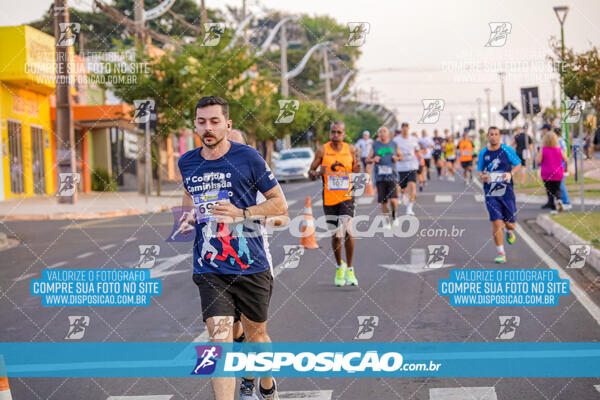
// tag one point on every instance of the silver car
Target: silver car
(293, 164)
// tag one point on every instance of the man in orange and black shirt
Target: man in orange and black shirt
(335, 161)
(465, 148)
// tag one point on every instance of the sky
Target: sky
(431, 49)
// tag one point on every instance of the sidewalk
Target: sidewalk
(88, 206)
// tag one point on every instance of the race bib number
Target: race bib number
(466, 153)
(496, 177)
(338, 182)
(203, 204)
(384, 170)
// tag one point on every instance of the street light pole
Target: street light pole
(561, 14)
(502, 75)
(478, 115)
(489, 108)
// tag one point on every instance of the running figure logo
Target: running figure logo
(213, 32)
(292, 256)
(207, 359)
(499, 32)
(223, 326)
(437, 255)
(287, 111)
(574, 111)
(67, 183)
(366, 326)
(77, 326)
(225, 238)
(208, 250)
(358, 33)
(148, 255)
(68, 34)
(508, 327)
(181, 227)
(143, 108)
(432, 109)
(579, 253)
(358, 183)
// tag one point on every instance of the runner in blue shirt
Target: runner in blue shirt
(497, 163)
(221, 181)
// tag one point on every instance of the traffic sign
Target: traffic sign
(530, 94)
(509, 112)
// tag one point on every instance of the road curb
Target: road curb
(567, 237)
(78, 216)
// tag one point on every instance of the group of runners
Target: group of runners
(231, 191)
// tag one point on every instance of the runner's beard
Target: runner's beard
(210, 146)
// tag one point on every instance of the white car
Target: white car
(293, 164)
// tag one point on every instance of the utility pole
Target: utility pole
(65, 151)
(285, 89)
(502, 75)
(489, 107)
(202, 15)
(478, 115)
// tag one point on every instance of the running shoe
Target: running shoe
(271, 396)
(339, 275)
(247, 389)
(420, 188)
(351, 278)
(567, 207)
(387, 226)
(501, 259)
(396, 222)
(510, 237)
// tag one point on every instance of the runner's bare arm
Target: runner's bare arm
(398, 156)
(274, 206)
(316, 163)
(355, 159)
(371, 158)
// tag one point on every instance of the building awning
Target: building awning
(101, 116)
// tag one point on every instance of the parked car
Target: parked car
(293, 164)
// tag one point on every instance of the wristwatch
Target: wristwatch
(245, 210)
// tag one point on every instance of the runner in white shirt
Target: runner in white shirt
(426, 144)
(408, 166)
(364, 146)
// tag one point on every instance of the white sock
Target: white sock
(500, 249)
(339, 266)
(350, 268)
(409, 206)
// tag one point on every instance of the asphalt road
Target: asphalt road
(306, 306)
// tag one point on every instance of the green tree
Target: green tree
(581, 74)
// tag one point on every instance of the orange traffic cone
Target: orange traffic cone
(307, 239)
(4, 389)
(369, 189)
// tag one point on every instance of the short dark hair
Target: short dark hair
(214, 101)
(492, 127)
(404, 124)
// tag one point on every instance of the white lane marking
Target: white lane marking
(479, 198)
(463, 393)
(165, 263)
(291, 202)
(23, 277)
(84, 255)
(108, 246)
(418, 260)
(58, 264)
(443, 198)
(150, 397)
(576, 289)
(131, 239)
(365, 200)
(597, 387)
(307, 395)
(318, 203)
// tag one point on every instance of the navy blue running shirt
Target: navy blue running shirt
(495, 163)
(236, 177)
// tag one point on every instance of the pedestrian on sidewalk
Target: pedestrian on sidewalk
(552, 169)
(564, 195)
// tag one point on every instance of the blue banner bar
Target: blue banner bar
(306, 359)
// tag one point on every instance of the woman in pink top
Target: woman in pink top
(550, 161)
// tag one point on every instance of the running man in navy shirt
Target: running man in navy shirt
(231, 266)
(497, 163)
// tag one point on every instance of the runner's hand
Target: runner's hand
(376, 159)
(485, 177)
(227, 212)
(507, 176)
(186, 222)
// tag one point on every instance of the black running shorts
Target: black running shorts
(232, 294)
